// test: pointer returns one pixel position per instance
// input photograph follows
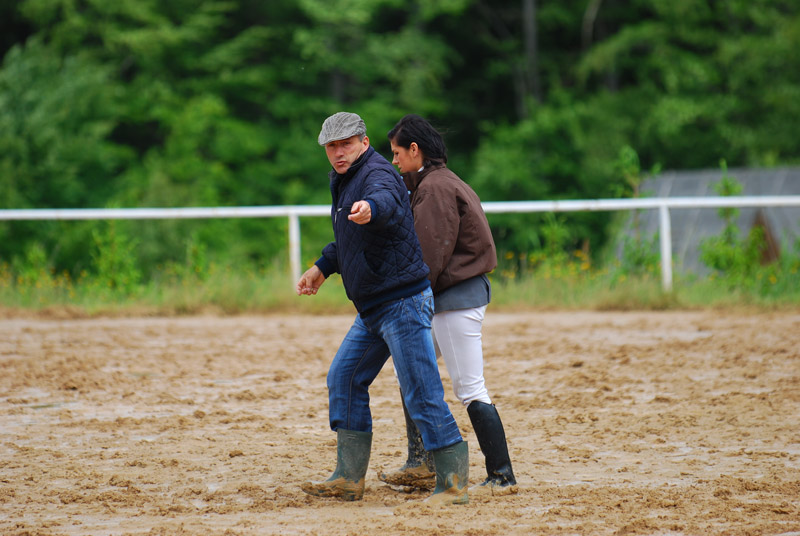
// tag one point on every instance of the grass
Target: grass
(233, 291)
(219, 291)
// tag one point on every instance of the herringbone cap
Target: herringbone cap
(341, 126)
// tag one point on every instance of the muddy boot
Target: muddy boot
(452, 475)
(352, 458)
(418, 471)
(492, 440)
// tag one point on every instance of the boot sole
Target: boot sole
(342, 489)
(446, 498)
(488, 490)
(406, 479)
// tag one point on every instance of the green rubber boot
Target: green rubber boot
(352, 458)
(452, 475)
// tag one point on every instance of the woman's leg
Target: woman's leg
(458, 339)
(457, 335)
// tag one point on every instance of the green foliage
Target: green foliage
(734, 259)
(639, 254)
(55, 123)
(556, 236)
(539, 283)
(139, 103)
(33, 269)
(539, 158)
(114, 261)
(710, 75)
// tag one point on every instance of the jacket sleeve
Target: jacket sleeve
(382, 190)
(328, 263)
(436, 221)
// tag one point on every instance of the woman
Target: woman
(458, 247)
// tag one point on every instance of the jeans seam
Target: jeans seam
(351, 380)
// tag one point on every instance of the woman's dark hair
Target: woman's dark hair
(413, 128)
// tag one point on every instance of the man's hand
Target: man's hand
(360, 212)
(310, 281)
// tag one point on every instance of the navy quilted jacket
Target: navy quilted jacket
(380, 261)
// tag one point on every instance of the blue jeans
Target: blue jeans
(402, 329)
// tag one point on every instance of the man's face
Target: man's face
(342, 153)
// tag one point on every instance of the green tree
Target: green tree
(705, 80)
(198, 102)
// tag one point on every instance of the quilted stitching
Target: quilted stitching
(384, 253)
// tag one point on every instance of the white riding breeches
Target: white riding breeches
(457, 337)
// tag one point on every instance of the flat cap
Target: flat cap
(341, 126)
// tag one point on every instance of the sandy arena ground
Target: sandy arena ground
(676, 423)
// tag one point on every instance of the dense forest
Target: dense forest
(147, 103)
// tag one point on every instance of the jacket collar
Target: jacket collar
(412, 179)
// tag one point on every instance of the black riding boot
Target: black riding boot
(492, 440)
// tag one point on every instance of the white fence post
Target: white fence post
(665, 238)
(294, 245)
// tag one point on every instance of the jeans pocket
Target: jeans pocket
(423, 302)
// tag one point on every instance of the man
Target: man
(377, 253)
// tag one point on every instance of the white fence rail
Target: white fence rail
(294, 212)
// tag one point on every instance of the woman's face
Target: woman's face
(406, 159)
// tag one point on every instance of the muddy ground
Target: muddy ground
(675, 423)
